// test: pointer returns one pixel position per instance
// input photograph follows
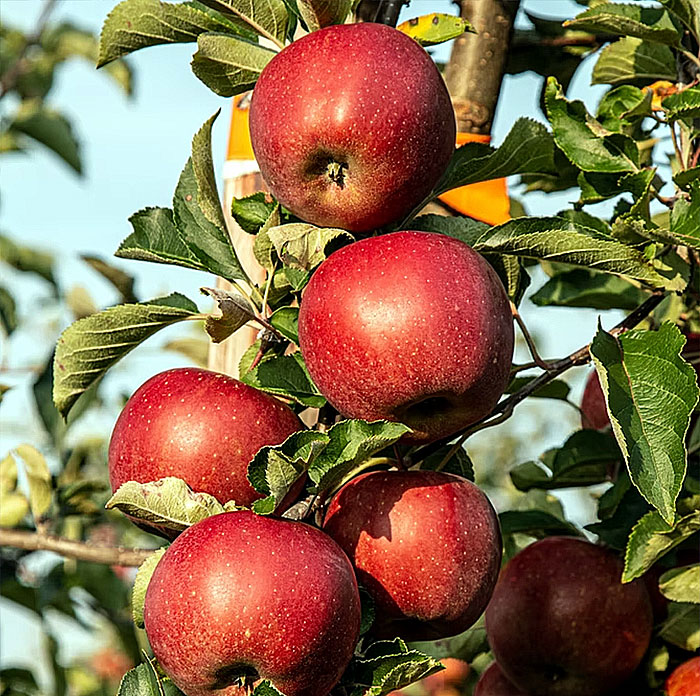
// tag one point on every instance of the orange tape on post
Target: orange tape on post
(487, 200)
(239, 147)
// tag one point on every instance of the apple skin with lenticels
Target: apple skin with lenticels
(685, 679)
(239, 598)
(412, 327)
(561, 623)
(352, 126)
(200, 426)
(426, 545)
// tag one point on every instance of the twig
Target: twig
(679, 156)
(504, 409)
(528, 339)
(80, 550)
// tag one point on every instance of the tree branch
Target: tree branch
(80, 550)
(505, 408)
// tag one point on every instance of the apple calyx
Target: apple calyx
(239, 674)
(336, 173)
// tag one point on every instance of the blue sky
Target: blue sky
(133, 151)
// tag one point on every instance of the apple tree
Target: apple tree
(324, 531)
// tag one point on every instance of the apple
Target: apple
(494, 683)
(239, 598)
(410, 326)
(560, 622)
(685, 679)
(352, 126)
(201, 426)
(426, 545)
(594, 412)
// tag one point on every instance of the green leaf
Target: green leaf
(122, 282)
(38, 478)
(684, 219)
(681, 627)
(584, 459)
(155, 238)
(649, 23)
(234, 311)
(650, 392)
(208, 243)
(51, 129)
(274, 470)
(28, 259)
(459, 462)
(203, 167)
(634, 60)
(286, 321)
(266, 688)
(169, 503)
(229, 65)
(136, 24)
(286, 376)
(302, 246)
(269, 18)
(322, 13)
(685, 104)
(681, 584)
(143, 680)
(252, 212)
(687, 11)
(652, 538)
(143, 577)
(585, 288)
(13, 504)
(527, 149)
(90, 346)
(683, 179)
(623, 107)
(350, 443)
(556, 389)
(435, 28)
(565, 241)
(583, 140)
(8, 312)
(389, 665)
(534, 523)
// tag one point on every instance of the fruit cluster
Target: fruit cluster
(386, 334)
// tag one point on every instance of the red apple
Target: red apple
(494, 683)
(425, 544)
(201, 426)
(594, 413)
(561, 623)
(239, 598)
(685, 679)
(352, 126)
(412, 327)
